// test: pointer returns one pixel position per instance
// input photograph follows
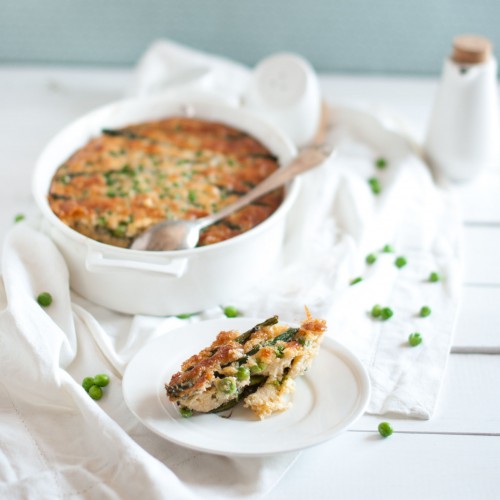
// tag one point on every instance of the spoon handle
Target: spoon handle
(307, 159)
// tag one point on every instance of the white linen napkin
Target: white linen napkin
(71, 445)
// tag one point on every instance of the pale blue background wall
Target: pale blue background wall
(377, 36)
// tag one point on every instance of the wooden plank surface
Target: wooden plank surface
(453, 455)
(469, 401)
(362, 465)
(478, 323)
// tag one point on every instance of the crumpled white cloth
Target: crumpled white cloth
(56, 441)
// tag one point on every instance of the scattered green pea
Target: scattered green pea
(19, 217)
(371, 258)
(425, 311)
(381, 163)
(356, 280)
(388, 249)
(95, 392)
(44, 299)
(434, 277)
(375, 185)
(385, 429)
(87, 383)
(243, 373)
(231, 311)
(376, 311)
(102, 380)
(415, 339)
(185, 412)
(400, 262)
(386, 313)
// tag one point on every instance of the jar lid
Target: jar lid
(471, 49)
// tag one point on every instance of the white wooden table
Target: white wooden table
(454, 455)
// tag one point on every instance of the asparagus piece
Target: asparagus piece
(286, 336)
(245, 336)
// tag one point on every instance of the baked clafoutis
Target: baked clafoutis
(257, 367)
(128, 179)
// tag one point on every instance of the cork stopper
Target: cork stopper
(471, 49)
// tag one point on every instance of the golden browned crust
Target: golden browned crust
(126, 180)
(258, 369)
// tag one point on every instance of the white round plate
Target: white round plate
(328, 398)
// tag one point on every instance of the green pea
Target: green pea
(375, 185)
(102, 380)
(259, 367)
(415, 339)
(185, 412)
(425, 311)
(87, 383)
(385, 429)
(381, 163)
(388, 249)
(227, 385)
(243, 373)
(19, 217)
(95, 392)
(356, 280)
(434, 277)
(386, 313)
(376, 311)
(185, 316)
(231, 311)
(400, 262)
(371, 258)
(44, 299)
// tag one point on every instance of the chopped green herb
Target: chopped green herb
(198, 154)
(434, 277)
(120, 230)
(385, 429)
(425, 311)
(182, 161)
(356, 280)
(192, 196)
(111, 193)
(400, 262)
(19, 217)
(231, 311)
(371, 258)
(381, 163)
(65, 179)
(231, 162)
(101, 220)
(415, 339)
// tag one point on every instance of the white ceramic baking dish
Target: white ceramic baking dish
(173, 282)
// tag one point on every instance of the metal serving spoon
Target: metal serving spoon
(184, 234)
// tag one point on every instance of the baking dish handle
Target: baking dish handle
(96, 262)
